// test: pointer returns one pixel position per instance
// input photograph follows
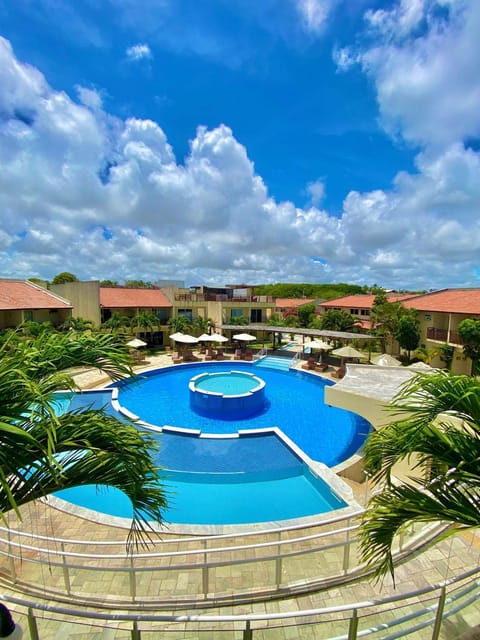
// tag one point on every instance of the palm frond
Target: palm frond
(437, 429)
(390, 511)
(91, 447)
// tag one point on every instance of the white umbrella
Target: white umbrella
(348, 352)
(136, 343)
(174, 336)
(319, 344)
(186, 338)
(244, 337)
(205, 337)
(420, 366)
(217, 337)
(386, 360)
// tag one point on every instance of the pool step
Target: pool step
(274, 362)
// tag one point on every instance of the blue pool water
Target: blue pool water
(228, 383)
(223, 498)
(233, 479)
(294, 402)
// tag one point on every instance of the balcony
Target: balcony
(217, 297)
(443, 335)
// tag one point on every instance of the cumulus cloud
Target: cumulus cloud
(139, 52)
(101, 197)
(426, 78)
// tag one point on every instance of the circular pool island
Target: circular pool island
(229, 395)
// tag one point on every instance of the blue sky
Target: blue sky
(235, 141)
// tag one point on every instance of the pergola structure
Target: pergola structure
(345, 336)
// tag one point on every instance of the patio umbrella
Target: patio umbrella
(174, 336)
(205, 337)
(386, 360)
(136, 343)
(185, 338)
(319, 344)
(348, 352)
(217, 337)
(244, 337)
(420, 366)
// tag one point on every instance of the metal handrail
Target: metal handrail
(260, 354)
(274, 552)
(420, 602)
(294, 360)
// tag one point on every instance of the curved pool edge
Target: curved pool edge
(350, 511)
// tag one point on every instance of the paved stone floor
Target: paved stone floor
(435, 565)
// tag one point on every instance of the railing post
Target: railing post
(247, 632)
(439, 616)
(205, 581)
(365, 497)
(278, 563)
(135, 632)
(66, 574)
(11, 559)
(133, 580)
(205, 576)
(346, 550)
(32, 625)
(353, 626)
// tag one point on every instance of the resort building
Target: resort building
(440, 313)
(359, 306)
(290, 306)
(222, 305)
(22, 300)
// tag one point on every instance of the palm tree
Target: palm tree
(179, 324)
(437, 423)
(145, 322)
(42, 452)
(79, 324)
(116, 323)
(338, 320)
(202, 325)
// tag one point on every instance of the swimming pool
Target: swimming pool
(224, 481)
(294, 402)
(215, 470)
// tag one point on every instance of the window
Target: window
(364, 312)
(236, 313)
(354, 312)
(185, 313)
(255, 315)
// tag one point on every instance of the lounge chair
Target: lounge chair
(309, 364)
(339, 373)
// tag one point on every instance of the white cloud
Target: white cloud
(315, 13)
(139, 52)
(89, 97)
(427, 82)
(84, 192)
(316, 191)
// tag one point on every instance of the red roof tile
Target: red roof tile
(465, 301)
(123, 297)
(363, 300)
(21, 294)
(291, 303)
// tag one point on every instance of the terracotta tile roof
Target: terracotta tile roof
(363, 301)
(123, 297)
(465, 301)
(292, 303)
(21, 294)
